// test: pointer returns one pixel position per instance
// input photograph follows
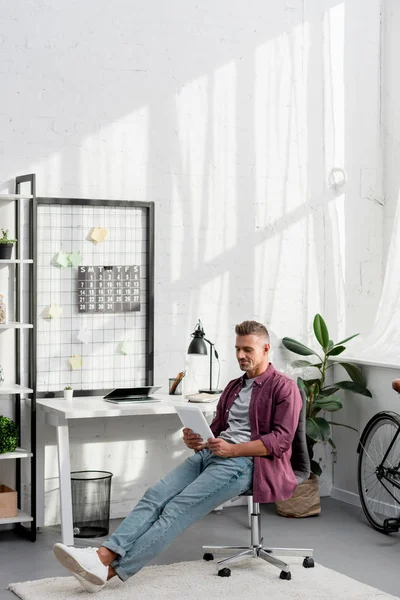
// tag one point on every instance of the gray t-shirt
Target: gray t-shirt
(238, 430)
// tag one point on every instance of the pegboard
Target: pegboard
(94, 349)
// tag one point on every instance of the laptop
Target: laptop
(130, 395)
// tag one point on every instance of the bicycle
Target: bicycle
(378, 470)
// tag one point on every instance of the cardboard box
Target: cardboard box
(8, 502)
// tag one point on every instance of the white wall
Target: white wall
(391, 118)
(230, 117)
(356, 412)
(382, 344)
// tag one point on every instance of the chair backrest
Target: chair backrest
(300, 458)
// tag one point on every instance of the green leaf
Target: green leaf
(342, 425)
(314, 389)
(353, 387)
(336, 350)
(297, 347)
(318, 429)
(332, 443)
(315, 468)
(301, 385)
(301, 363)
(347, 339)
(330, 345)
(354, 373)
(328, 391)
(321, 331)
(331, 404)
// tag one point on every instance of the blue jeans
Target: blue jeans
(200, 484)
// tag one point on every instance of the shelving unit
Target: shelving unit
(18, 453)
(16, 196)
(15, 325)
(23, 391)
(15, 261)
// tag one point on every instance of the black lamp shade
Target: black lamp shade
(197, 345)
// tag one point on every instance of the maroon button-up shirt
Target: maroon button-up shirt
(274, 415)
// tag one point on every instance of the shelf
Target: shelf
(15, 325)
(15, 197)
(15, 261)
(15, 389)
(18, 453)
(20, 518)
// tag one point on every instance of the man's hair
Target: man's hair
(252, 328)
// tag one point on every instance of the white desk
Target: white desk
(58, 414)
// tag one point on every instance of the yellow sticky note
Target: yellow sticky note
(76, 362)
(98, 234)
(55, 311)
(126, 347)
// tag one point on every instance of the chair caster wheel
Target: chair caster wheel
(208, 556)
(308, 562)
(286, 575)
(224, 572)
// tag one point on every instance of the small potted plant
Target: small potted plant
(6, 245)
(68, 393)
(8, 435)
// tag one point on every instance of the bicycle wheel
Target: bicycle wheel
(377, 480)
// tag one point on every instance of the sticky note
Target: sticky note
(83, 335)
(76, 362)
(98, 235)
(54, 311)
(62, 259)
(126, 347)
(75, 259)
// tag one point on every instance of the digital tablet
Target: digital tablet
(192, 417)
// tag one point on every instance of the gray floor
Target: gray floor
(341, 538)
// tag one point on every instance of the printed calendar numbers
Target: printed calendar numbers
(108, 289)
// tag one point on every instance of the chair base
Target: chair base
(256, 549)
(268, 554)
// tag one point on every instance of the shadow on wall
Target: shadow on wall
(217, 115)
(230, 120)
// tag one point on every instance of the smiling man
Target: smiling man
(255, 423)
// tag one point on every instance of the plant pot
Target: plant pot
(6, 251)
(68, 394)
(305, 501)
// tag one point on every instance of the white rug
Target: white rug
(250, 580)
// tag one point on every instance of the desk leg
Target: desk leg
(40, 470)
(64, 469)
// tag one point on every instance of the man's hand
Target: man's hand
(220, 447)
(193, 440)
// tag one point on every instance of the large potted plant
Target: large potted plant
(321, 397)
(6, 245)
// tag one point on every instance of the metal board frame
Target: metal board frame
(149, 208)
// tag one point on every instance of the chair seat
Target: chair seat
(247, 493)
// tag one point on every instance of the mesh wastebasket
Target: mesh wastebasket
(91, 503)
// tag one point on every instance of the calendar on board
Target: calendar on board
(108, 289)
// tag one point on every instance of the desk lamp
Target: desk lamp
(198, 346)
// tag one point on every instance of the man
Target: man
(256, 420)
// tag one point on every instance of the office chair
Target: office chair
(301, 467)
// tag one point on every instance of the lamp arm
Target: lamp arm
(212, 350)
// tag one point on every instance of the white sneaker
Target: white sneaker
(82, 561)
(89, 587)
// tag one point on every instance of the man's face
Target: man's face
(252, 353)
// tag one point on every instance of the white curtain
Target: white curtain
(383, 343)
